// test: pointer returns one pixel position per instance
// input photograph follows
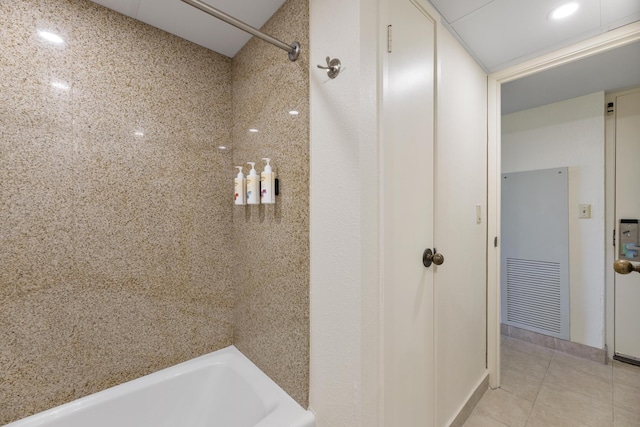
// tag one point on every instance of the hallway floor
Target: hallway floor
(545, 388)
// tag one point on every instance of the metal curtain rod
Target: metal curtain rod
(293, 49)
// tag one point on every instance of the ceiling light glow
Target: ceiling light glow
(222, 147)
(138, 133)
(51, 37)
(564, 11)
(253, 130)
(294, 112)
(60, 85)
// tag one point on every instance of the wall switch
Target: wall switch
(478, 214)
(584, 211)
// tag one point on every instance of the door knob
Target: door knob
(623, 266)
(428, 257)
(438, 258)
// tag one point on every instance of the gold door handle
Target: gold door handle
(623, 266)
(429, 257)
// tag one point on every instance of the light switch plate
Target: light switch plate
(584, 211)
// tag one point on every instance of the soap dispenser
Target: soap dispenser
(240, 188)
(253, 186)
(268, 182)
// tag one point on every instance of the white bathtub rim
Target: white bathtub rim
(275, 400)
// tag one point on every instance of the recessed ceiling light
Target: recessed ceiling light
(138, 133)
(253, 130)
(564, 10)
(222, 147)
(294, 112)
(51, 37)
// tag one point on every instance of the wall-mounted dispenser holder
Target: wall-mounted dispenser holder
(628, 240)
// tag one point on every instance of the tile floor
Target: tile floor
(545, 388)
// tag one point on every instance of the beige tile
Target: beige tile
(565, 361)
(478, 419)
(120, 258)
(520, 382)
(624, 418)
(579, 381)
(627, 397)
(576, 406)
(533, 350)
(505, 407)
(526, 362)
(272, 242)
(36, 186)
(543, 416)
(625, 373)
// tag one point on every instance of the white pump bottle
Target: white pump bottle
(240, 188)
(253, 186)
(268, 184)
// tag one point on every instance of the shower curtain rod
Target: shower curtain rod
(293, 49)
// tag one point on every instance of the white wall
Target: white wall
(345, 379)
(570, 133)
(345, 356)
(344, 215)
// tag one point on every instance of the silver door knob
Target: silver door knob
(438, 258)
(429, 257)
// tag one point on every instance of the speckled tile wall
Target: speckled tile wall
(271, 323)
(116, 236)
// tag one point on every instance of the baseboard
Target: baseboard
(473, 400)
(573, 348)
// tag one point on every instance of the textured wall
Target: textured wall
(115, 249)
(271, 323)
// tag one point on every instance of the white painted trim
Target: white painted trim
(493, 232)
(609, 223)
(610, 219)
(604, 42)
(601, 43)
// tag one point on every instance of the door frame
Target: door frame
(601, 43)
(610, 215)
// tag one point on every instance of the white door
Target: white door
(627, 287)
(408, 218)
(434, 196)
(460, 231)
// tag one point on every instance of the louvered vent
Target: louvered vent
(534, 294)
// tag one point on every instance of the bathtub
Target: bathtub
(220, 389)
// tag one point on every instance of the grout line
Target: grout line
(613, 395)
(540, 387)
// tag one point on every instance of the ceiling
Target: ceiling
(187, 22)
(497, 33)
(610, 71)
(500, 33)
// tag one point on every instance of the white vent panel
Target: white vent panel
(533, 294)
(535, 251)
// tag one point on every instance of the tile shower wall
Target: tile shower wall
(271, 323)
(116, 229)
